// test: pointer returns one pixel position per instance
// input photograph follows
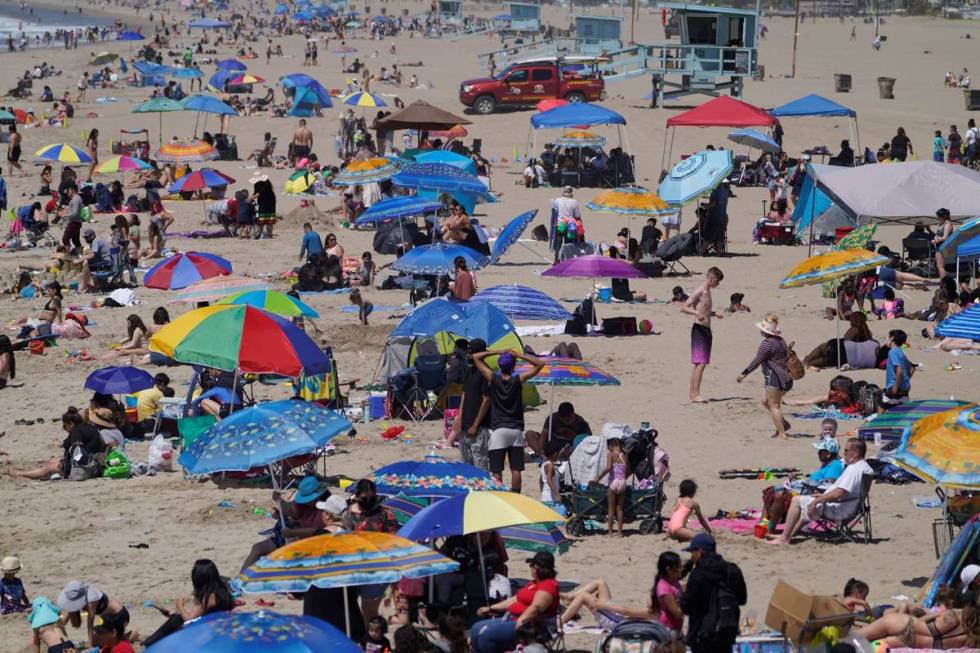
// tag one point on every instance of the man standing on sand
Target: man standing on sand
(13, 151)
(302, 142)
(699, 305)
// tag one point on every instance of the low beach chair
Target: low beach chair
(857, 526)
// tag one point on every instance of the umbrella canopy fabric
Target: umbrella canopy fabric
(184, 269)
(594, 266)
(247, 632)
(568, 371)
(456, 132)
(900, 191)
(969, 247)
(421, 115)
(207, 104)
(231, 337)
(398, 207)
(510, 234)
(965, 324)
(891, 424)
(199, 180)
(812, 105)
(962, 234)
(723, 111)
(344, 560)
(364, 99)
(231, 64)
(445, 156)
(576, 114)
(130, 36)
(630, 201)
(118, 380)
(272, 301)
(522, 303)
(439, 177)
(464, 319)
(186, 152)
(302, 80)
(158, 105)
(944, 448)
(186, 73)
(438, 259)
(63, 153)
(696, 175)
(122, 164)
(209, 23)
(262, 435)
(367, 171)
(6, 115)
(831, 265)
(754, 139)
(474, 512)
(215, 288)
(580, 138)
(434, 476)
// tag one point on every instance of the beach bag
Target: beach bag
(794, 364)
(116, 465)
(83, 465)
(868, 397)
(161, 456)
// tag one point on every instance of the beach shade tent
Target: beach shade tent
(523, 303)
(152, 74)
(578, 116)
(118, 380)
(421, 116)
(695, 176)
(965, 324)
(904, 192)
(247, 632)
(306, 103)
(215, 288)
(208, 23)
(242, 339)
(63, 153)
(722, 111)
(201, 179)
(130, 36)
(944, 448)
(816, 106)
(754, 140)
(182, 270)
(816, 214)
(159, 106)
(433, 476)
(302, 80)
(964, 242)
(891, 424)
(366, 171)
(189, 151)
(121, 163)
(511, 234)
(206, 104)
(272, 301)
(438, 259)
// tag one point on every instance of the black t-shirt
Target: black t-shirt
(621, 290)
(328, 605)
(86, 435)
(900, 144)
(565, 431)
(369, 645)
(506, 402)
(475, 388)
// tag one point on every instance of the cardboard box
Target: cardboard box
(799, 615)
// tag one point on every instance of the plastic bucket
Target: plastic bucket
(605, 295)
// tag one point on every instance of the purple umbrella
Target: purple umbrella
(594, 267)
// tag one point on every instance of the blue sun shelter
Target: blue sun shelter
(306, 103)
(816, 106)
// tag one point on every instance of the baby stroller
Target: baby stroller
(634, 637)
(35, 232)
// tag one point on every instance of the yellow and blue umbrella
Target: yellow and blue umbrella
(367, 171)
(832, 265)
(944, 448)
(364, 99)
(475, 512)
(63, 153)
(433, 476)
(630, 201)
(344, 560)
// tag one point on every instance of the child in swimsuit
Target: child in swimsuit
(686, 506)
(618, 469)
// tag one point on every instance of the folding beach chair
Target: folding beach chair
(857, 526)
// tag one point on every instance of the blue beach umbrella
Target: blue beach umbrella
(522, 303)
(438, 259)
(510, 234)
(186, 73)
(440, 177)
(433, 476)
(398, 207)
(130, 36)
(303, 16)
(231, 64)
(965, 324)
(463, 319)
(208, 104)
(696, 175)
(755, 140)
(118, 380)
(281, 9)
(960, 235)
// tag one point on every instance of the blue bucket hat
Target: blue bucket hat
(43, 612)
(310, 489)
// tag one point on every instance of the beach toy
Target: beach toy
(605, 294)
(645, 326)
(392, 432)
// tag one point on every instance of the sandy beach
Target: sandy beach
(63, 530)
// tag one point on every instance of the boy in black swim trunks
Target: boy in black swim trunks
(699, 305)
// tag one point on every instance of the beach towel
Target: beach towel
(338, 291)
(822, 413)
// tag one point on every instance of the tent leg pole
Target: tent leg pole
(837, 319)
(483, 570)
(346, 612)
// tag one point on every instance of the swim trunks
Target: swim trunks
(700, 344)
(301, 151)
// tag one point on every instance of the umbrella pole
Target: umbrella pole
(234, 386)
(275, 486)
(346, 612)
(160, 142)
(837, 319)
(483, 570)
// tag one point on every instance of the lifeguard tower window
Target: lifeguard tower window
(541, 74)
(702, 30)
(736, 27)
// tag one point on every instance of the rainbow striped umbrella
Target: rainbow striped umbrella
(232, 337)
(272, 301)
(122, 164)
(199, 180)
(184, 269)
(567, 371)
(344, 560)
(630, 201)
(186, 152)
(367, 171)
(364, 99)
(215, 288)
(247, 78)
(944, 448)
(581, 138)
(832, 265)
(63, 153)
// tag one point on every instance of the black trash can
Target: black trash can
(842, 82)
(972, 97)
(885, 87)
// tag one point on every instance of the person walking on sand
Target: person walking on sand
(82, 86)
(302, 142)
(13, 151)
(699, 305)
(773, 355)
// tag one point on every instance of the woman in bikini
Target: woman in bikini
(457, 226)
(136, 340)
(946, 630)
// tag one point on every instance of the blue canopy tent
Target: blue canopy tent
(815, 212)
(816, 106)
(305, 102)
(152, 74)
(302, 80)
(576, 114)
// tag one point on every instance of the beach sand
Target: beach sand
(64, 530)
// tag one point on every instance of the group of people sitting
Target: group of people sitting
(585, 166)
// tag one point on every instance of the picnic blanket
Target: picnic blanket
(338, 291)
(890, 425)
(199, 233)
(823, 413)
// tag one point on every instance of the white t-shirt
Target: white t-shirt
(971, 135)
(850, 482)
(567, 207)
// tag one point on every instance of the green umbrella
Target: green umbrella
(159, 105)
(6, 115)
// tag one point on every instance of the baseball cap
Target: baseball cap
(701, 542)
(827, 444)
(334, 504)
(542, 559)
(968, 575)
(88, 233)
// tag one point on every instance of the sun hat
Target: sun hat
(310, 489)
(827, 444)
(701, 542)
(10, 564)
(567, 191)
(43, 612)
(101, 417)
(334, 504)
(968, 574)
(77, 595)
(769, 326)
(259, 177)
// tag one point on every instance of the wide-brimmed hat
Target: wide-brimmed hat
(10, 564)
(770, 326)
(567, 191)
(43, 612)
(310, 489)
(259, 177)
(334, 504)
(101, 417)
(77, 595)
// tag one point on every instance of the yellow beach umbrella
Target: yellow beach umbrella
(944, 448)
(832, 265)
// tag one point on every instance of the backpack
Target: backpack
(724, 602)
(794, 365)
(868, 397)
(82, 464)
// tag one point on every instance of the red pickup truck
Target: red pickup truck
(526, 83)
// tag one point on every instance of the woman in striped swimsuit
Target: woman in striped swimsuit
(772, 356)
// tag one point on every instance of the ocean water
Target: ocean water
(15, 21)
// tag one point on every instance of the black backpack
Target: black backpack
(724, 602)
(868, 397)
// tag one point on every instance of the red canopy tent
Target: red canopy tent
(723, 111)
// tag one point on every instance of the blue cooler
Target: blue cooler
(376, 405)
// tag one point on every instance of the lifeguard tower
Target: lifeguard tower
(451, 10)
(525, 17)
(594, 34)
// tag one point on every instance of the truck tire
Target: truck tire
(485, 104)
(575, 98)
